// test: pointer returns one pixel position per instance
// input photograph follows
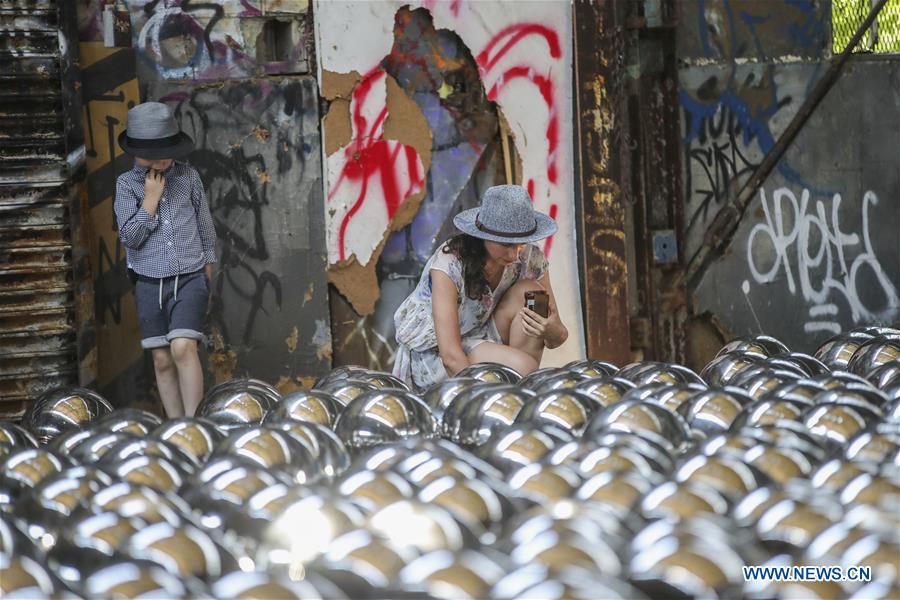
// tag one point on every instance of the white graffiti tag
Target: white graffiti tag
(825, 259)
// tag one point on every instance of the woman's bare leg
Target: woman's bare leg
(517, 360)
(509, 322)
(167, 382)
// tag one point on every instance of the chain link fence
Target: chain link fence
(848, 15)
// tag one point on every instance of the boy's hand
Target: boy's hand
(154, 183)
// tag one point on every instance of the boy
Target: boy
(170, 245)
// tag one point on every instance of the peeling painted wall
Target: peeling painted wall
(469, 67)
(816, 252)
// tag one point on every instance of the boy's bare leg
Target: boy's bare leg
(190, 373)
(167, 382)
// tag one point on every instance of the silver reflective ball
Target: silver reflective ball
(725, 367)
(140, 501)
(62, 409)
(23, 577)
(567, 409)
(147, 446)
(311, 406)
(472, 501)
(384, 416)
(761, 344)
(382, 381)
(272, 449)
(605, 390)
(731, 476)
(24, 469)
(256, 584)
(520, 445)
(564, 380)
(543, 483)
(874, 446)
(129, 420)
(490, 373)
(769, 411)
(423, 527)
(185, 550)
(874, 353)
(837, 351)
(592, 368)
(534, 379)
(834, 424)
(236, 404)
(714, 410)
(91, 449)
(345, 390)
(15, 436)
(681, 501)
(644, 419)
(156, 472)
(448, 574)
(810, 364)
(618, 491)
(440, 395)
(883, 376)
(478, 414)
(339, 374)
(195, 436)
(88, 539)
(574, 583)
(330, 454)
(127, 579)
(762, 379)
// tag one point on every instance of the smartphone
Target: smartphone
(539, 302)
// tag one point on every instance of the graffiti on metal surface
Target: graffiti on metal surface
(804, 244)
(206, 40)
(256, 150)
(730, 116)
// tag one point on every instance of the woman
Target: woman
(469, 305)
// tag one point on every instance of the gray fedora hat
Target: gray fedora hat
(506, 215)
(152, 133)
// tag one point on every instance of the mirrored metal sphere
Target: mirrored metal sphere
(681, 501)
(835, 424)
(448, 574)
(15, 436)
(272, 449)
(62, 409)
(728, 365)
(605, 390)
(439, 396)
(618, 491)
(139, 501)
(313, 406)
(24, 469)
(518, 446)
(156, 472)
(131, 578)
(874, 353)
(478, 414)
(472, 501)
(419, 526)
(882, 376)
(256, 584)
(23, 577)
(88, 541)
(592, 368)
(874, 446)
(130, 420)
(563, 380)
(761, 379)
(674, 396)
(384, 416)
(567, 409)
(345, 390)
(339, 374)
(731, 476)
(184, 550)
(329, 451)
(382, 381)
(195, 436)
(760, 344)
(236, 404)
(837, 351)
(810, 364)
(644, 419)
(543, 483)
(769, 411)
(490, 373)
(534, 379)
(714, 410)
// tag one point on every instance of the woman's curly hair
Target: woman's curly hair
(471, 251)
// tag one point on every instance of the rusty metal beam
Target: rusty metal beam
(725, 225)
(600, 121)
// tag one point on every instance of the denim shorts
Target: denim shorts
(165, 312)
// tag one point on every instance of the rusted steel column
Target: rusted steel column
(599, 57)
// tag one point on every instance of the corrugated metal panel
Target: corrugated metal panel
(37, 335)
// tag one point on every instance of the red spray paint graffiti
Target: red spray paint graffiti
(487, 59)
(370, 157)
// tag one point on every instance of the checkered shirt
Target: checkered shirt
(180, 238)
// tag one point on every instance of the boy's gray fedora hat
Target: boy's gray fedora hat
(506, 215)
(152, 133)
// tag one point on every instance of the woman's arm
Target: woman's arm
(445, 311)
(550, 329)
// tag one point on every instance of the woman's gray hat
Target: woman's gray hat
(153, 134)
(506, 215)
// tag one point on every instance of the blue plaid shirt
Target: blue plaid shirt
(180, 238)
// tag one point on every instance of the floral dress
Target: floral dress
(418, 361)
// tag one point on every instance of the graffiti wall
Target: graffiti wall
(258, 153)
(816, 252)
(429, 104)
